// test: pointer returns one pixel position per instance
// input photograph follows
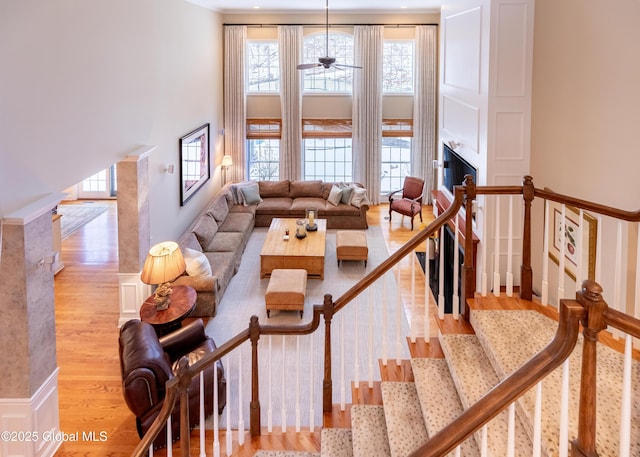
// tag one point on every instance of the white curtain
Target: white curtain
(367, 108)
(424, 107)
(290, 46)
(235, 39)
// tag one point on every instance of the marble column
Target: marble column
(29, 390)
(133, 230)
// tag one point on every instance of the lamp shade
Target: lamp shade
(227, 161)
(164, 263)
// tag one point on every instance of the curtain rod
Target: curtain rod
(330, 25)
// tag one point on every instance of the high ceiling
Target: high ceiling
(310, 6)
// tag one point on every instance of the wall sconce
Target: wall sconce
(49, 261)
(227, 162)
(169, 169)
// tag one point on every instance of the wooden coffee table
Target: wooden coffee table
(306, 253)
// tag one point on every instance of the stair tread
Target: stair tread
(336, 442)
(529, 332)
(369, 431)
(403, 416)
(474, 376)
(439, 399)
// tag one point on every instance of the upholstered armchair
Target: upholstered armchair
(410, 201)
(148, 362)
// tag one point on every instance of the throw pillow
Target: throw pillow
(347, 191)
(335, 195)
(219, 208)
(358, 197)
(196, 262)
(250, 194)
(235, 191)
(205, 229)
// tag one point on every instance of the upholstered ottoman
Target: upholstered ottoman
(286, 290)
(352, 245)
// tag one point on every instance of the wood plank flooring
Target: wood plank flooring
(87, 313)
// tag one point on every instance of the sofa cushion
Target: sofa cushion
(235, 190)
(306, 189)
(196, 262)
(275, 205)
(222, 266)
(303, 203)
(219, 208)
(347, 191)
(272, 189)
(205, 229)
(190, 241)
(238, 222)
(250, 194)
(358, 197)
(225, 242)
(334, 195)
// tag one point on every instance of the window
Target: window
(332, 80)
(263, 149)
(396, 154)
(327, 149)
(397, 66)
(263, 67)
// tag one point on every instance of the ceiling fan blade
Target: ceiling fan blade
(342, 65)
(306, 66)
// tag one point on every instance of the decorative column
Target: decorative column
(29, 390)
(133, 230)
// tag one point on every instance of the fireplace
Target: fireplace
(454, 168)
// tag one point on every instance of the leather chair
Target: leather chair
(147, 362)
(410, 203)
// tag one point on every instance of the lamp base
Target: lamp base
(162, 296)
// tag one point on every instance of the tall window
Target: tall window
(327, 150)
(263, 67)
(329, 80)
(397, 66)
(396, 154)
(263, 149)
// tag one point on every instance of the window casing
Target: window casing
(397, 136)
(398, 66)
(263, 66)
(321, 80)
(327, 150)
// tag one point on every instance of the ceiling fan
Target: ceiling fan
(326, 61)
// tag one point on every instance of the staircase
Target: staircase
(473, 364)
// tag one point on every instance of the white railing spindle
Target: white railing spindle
(283, 391)
(229, 434)
(509, 277)
(169, 438)
(617, 281)
(427, 291)
(216, 423)
(203, 452)
(537, 422)
(511, 431)
(413, 260)
(312, 413)
(563, 445)
(599, 251)
(625, 413)
(385, 336)
(441, 276)
(240, 403)
(580, 274)
(342, 373)
(561, 255)
(545, 256)
(399, 314)
(484, 445)
(637, 307)
(496, 250)
(356, 355)
(483, 246)
(270, 384)
(298, 383)
(370, 348)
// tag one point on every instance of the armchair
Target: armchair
(410, 203)
(147, 362)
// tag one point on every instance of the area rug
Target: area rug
(75, 215)
(301, 388)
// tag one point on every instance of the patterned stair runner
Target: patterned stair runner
(369, 431)
(403, 416)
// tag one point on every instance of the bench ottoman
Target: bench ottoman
(286, 290)
(351, 245)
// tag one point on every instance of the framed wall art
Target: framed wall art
(194, 162)
(571, 240)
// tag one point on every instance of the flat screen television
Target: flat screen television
(455, 168)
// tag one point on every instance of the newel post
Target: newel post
(327, 383)
(469, 274)
(254, 406)
(185, 430)
(594, 322)
(526, 273)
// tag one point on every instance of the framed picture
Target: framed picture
(194, 162)
(571, 238)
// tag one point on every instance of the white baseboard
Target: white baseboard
(133, 292)
(30, 427)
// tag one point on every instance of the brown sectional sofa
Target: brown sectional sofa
(221, 232)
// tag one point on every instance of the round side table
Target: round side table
(183, 301)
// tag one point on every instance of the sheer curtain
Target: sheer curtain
(424, 106)
(235, 39)
(367, 108)
(290, 46)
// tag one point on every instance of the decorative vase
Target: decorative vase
(301, 230)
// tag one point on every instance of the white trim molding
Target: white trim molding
(30, 427)
(133, 292)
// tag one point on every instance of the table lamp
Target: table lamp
(163, 264)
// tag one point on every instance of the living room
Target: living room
(120, 75)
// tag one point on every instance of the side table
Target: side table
(183, 300)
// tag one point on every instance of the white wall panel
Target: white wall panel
(509, 135)
(511, 52)
(461, 49)
(461, 121)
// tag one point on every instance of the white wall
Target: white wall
(85, 83)
(585, 111)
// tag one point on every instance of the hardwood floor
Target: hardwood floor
(87, 313)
